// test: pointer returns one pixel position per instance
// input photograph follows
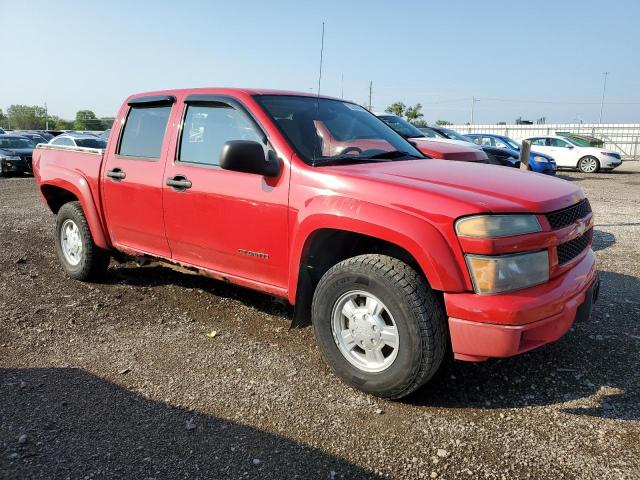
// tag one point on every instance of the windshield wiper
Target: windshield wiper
(391, 154)
(346, 158)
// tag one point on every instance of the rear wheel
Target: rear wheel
(80, 257)
(379, 325)
(588, 164)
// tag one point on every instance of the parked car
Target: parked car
(78, 141)
(2, 132)
(80, 133)
(569, 154)
(496, 156)
(395, 258)
(33, 136)
(582, 140)
(105, 135)
(46, 135)
(15, 154)
(446, 149)
(538, 162)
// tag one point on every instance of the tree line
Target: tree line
(35, 117)
(413, 114)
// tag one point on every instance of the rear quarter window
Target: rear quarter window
(144, 132)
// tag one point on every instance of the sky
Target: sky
(526, 59)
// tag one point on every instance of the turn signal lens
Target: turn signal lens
(508, 272)
(492, 226)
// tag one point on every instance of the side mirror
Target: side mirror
(569, 147)
(248, 156)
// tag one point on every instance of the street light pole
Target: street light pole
(473, 104)
(604, 89)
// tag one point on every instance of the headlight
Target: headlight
(540, 159)
(492, 226)
(507, 272)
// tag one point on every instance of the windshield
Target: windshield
(431, 133)
(90, 142)
(511, 142)
(15, 142)
(401, 126)
(322, 129)
(454, 135)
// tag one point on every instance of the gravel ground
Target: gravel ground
(119, 379)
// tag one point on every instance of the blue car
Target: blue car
(538, 162)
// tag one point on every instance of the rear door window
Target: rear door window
(144, 132)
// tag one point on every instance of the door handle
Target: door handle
(179, 183)
(116, 174)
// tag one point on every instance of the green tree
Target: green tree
(397, 108)
(26, 117)
(3, 120)
(443, 123)
(501, 123)
(414, 113)
(87, 120)
(421, 122)
(107, 122)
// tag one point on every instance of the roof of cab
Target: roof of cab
(229, 91)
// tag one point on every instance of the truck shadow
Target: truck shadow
(602, 240)
(594, 369)
(80, 426)
(157, 275)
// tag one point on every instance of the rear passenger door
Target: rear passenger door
(132, 178)
(230, 222)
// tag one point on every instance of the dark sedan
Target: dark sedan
(15, 154)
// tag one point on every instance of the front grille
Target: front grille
(571, 249)
(566, 216)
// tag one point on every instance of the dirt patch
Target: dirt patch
(119, 379)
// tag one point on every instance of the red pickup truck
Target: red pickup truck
(396, 259)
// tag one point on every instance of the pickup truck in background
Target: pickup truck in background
(396, 259)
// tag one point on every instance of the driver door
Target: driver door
(232, 223)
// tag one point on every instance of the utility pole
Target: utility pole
(473, 104)
(604, 89)
(321, 53)
(370, 89)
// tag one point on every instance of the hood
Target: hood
(469, 187)
(596, 151)
(20, 152)
(448, 150)
(450, 141)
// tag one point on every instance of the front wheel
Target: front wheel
(379, 325)
(588, 164)
(80, 257)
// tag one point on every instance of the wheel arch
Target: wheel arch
(322, 247)
(57, 194)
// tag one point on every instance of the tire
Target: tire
(410, 304)
(588, 164)
(81, 259)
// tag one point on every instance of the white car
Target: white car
(89, 141)
(569, 154)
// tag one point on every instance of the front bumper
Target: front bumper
(610, 162)
(15, 166)
(489, 326)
